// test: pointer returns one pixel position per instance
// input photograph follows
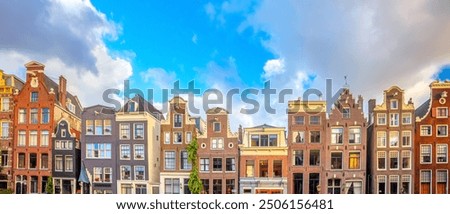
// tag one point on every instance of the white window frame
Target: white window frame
(409, 157)
(408, 115)
(176, 134)
(421, 155)
(385, 161)
(174, 158)
(437, 130)
(188, 137)
(129, 154)
(392, 102)
(379, 133)
(135, 153)
(391, 120)
(437, 154)
(134, 131)
(410, 138)
(124, 137)
(398, 159)
(391, 136)
(122, 167)
(379, 115)
(381, 178)
(136, 174)
(431, 130)
(216, 145)
(437, 112)
(166, 137)
(214, 127)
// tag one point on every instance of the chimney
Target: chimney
(240, 134)
(62, 90)
(371, 105)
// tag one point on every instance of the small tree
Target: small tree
(49, 186)
(195, 184)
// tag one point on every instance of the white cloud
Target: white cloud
(66, 36)
(376, 44)
(159, 77)
(210, 10)
(194, 38)
(273, 67)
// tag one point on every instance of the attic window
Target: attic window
(132, 107)
(71, 107)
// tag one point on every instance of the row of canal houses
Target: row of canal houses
(49, 140)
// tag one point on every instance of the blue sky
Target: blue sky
(229, 44)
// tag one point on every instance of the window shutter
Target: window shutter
(433, 112)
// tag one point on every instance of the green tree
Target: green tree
(49, 186)
(194, 184)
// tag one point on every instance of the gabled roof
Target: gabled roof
(103, 109)
(217, 110)
(423, 109)
(142, 106)
(265, 126)
(49, 83)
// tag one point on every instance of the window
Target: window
(277, 168)
(393, 160)
(346, 113)
(188, 137)
(217, 164)
(264, 140)
(21, 161)
(217, 143)
(264, 168)
(441, 153)
(141, 189)
(314, 157)
(273, 140)
(394, 119)
(216, 126)
(98, 174)
(381, 160)
(63, 132)
(217, 186)
(139, 173)
(425, 130)
(230, 164)
(107, 172)
(314, 182)
(334, 186)
(172, 186)
(63, 145)
(5, 104)
(406, 159)
(354, 160)
(441, 131)
(249, 168)
(44, 138)
(394, 104)
(204, 164)
(22, 138)
(314, 120)
(406, 138)
(255, 140)
(442, 112)
(425, 182)
(58, 163)
(336, 135)
(34, 96)
(69, 163)
(89, 127)
(125, 172)
(184, 160)
(177, 120)
(406, 184)
(299, 137)
(22, 116)
(177, 137)
(4, 158)
(139, 152)
(406, 118)
(393, 184)
(299, 120)
(381, 139)
(44, 161)
(354, 136)
(98, 127)
(298, 158)
(125, 152)
(139, 131)
(381, 181)
(205, 183)
(33, 161)
(298, 183)
(33, 138)
(381, 119)
(34, 116)
(336, 160)
(230, 185)
(45, 115)
(34, 184)
(124, 131)
(425, 154)
(5, 129)
(393, 139)
(169, 160)
(315, 136)
(107, 127)
(166, 137)
(98, 150)
(441, 181)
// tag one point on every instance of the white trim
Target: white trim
(446, 153)
(134, 131)
(385, 161)
(120, 150)
(398, 160)
(134, 152)
(410, 118)
(120, 131)
(410, 159)
(446, 130)
(431, 130)
(431, 180)
(446, 183)
(378, 183)
(385, 119)
(437, 112)
(431, 154)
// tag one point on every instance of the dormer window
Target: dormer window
(394, 104)
(63, 132)
(71, 107)
(346, 113)
(177, 120)
(132, 107)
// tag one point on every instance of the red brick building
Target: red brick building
(218, 154)
(432, 142)
(38, 107)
